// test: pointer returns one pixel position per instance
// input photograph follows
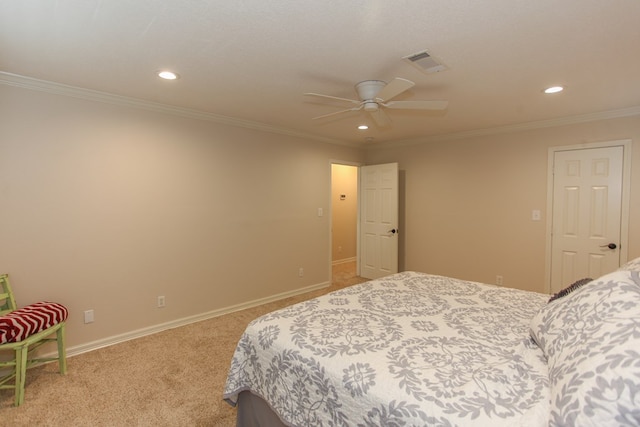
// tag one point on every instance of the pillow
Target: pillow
(591, 339)
(633, 265)
(572, 287)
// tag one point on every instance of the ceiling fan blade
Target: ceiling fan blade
(353, 101)
(380, 117)
(337, 112)
(394, 88)
(417, 105)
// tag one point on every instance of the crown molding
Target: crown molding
(105, 97)
(30, 83)
(541, 124)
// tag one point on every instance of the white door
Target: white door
(378, 220)
(586, 219)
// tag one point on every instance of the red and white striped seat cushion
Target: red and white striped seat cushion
(29, 320)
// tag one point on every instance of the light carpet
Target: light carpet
(172, 378)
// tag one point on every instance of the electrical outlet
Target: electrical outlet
(88, 316)
(499, 280)
(161, 301)
(301, 272)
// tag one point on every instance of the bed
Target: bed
(414, 349)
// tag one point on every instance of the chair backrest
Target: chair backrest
(7, 301)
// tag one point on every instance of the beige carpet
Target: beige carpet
(173, 378)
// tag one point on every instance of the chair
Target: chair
(24, 330)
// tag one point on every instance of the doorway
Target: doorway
(344, 221)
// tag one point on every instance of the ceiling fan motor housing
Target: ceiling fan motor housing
(368, 90)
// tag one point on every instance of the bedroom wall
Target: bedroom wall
(106, 208)
(468, 202)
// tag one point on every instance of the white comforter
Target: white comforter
(409, 350)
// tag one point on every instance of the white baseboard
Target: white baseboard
(139, 333)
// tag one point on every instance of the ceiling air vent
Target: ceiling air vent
(425, 62)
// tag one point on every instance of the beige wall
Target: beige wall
(467, 203)
(106, 208)
(344, 181)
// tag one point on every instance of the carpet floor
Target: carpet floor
(172, 378)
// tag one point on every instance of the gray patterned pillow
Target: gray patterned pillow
(633, 265)
(591, 339)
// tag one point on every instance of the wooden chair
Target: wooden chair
(22, 331)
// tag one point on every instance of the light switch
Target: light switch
(320, 212)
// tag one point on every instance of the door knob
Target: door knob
(393, 231)
(610, 246)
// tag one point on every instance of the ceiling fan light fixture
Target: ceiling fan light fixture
(370, 106)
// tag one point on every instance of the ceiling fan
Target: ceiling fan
(376, 95)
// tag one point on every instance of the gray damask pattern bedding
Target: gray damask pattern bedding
(410, 349)
(592, 341)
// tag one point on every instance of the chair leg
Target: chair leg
(21, 371)
(62, 352)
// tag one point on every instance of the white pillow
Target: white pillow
(633, 265)
(591, 338)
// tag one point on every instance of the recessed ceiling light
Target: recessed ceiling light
(554, 89)
(168, 75)
(363, 127)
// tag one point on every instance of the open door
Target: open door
(378, 220)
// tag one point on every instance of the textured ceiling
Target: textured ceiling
(252, 60)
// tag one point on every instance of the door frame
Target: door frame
(624, 213)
